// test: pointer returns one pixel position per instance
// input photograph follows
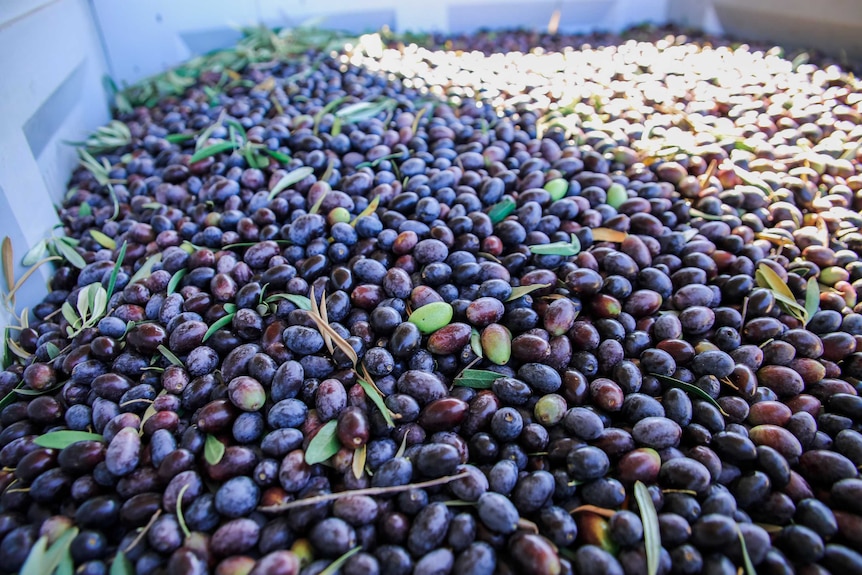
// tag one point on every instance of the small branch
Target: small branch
(367, 491)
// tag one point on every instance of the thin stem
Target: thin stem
(367, 491)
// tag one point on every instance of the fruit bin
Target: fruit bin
(506, 301)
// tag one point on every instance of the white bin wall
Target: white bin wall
(51, 68)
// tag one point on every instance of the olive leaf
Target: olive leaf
(705, 216)
(38, 392)
(746, 558)
(376, 397)
(324, 444)
(374, 163)
(181, 519)
(766, 277)
(359, 457)
(112, 282)
(176, 279)
(362, 111)
(169, 355)
(299, 301)
(691, 390)
(752, 179)
(502, 210)
(8, 264)
(52, 350)
(652, 535)
(212, 150)
(84, 210)
(69, 253)
(37, 560)
(372, 207)
(179, 138)
(121, 565)
(608, 235)
(476, 378)
(325, 110)
(521, 291)
(336, 565)
(145, 270)
(11, 396)
(213, 449)
(276, 155)
(476, 343)
(65, 438)
(33, 254)
(601, 511)
(103, 240)
(570, 248)
(290, 179)
(217, 325)
(316, 207)
(812, 298)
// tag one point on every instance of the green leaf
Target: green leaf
(121, 565)
(361, 111)
(570, 248)
(333, 567)
(145, 270)
(502, 210)
(325, 110)
(65, 438)
(34, 254)
(11, 397)
(374, 394)
(69, 313)
(103, 240)
(230, 307)
(37, 561)
(746, 558)
(372, 207)
(38, 392)
(691, 390)
(169, 355)
(66, 566)
(179, 138)
(521, 291)
(85, 210)
(176, 279)
(69, 254)
(477, 378)
(213, 449)
(290, 179)
(812, 298)
(112, 282)
(476, 343)
(210, 151)
(767, 278)
(217, 325)
(300, 301)
(316, 207)
(652, 535)
(277, 156)
(703, 215)
(323, 445)
(52, 349)
(238, 127)
(59, 549)
(180, 517)
(752, 179)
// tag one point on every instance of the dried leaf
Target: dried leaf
(103, 240)
(324, 444)
(359, 457)
(8, 264)
(608, 235)
(65, 438)
(652, 535)
(213, 449)
(521, 291)
(607, 513)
